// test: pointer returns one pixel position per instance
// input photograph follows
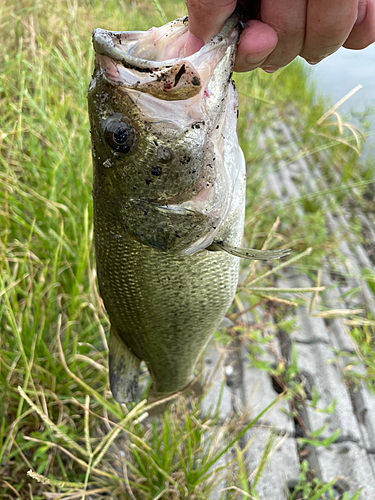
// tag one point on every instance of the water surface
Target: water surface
(339, 73)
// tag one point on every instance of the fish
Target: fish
(168, 199)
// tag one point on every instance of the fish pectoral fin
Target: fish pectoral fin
(123, 369)
(248, 253)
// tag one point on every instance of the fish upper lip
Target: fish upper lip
(104, 45)
(174, 79)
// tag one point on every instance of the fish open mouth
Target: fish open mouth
(153, 61)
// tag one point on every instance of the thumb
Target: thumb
(206, 18)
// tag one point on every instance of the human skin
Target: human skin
(279, 30)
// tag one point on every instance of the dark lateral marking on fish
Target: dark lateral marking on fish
(156, 171)
(198, 125)
(179, 75)
(185, 160)
(195, 81)
(141, 69)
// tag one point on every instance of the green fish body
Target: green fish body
(169, 196)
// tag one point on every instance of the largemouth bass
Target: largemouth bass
(169, 198)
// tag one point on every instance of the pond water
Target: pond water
(341, 72)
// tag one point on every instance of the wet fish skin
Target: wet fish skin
(141, 183)
(165, 294)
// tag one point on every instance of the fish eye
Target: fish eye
(121, 136)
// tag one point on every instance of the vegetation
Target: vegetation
(57, 416)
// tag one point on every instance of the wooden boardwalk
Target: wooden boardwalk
(248, 390)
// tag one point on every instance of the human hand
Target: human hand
(280, 30)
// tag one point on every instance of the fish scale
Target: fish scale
(156, 307)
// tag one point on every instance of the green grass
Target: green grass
(57, 415)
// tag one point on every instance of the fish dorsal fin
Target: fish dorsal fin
(248, 253)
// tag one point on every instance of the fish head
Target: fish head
(157, 127)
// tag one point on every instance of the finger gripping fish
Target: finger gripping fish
(169, 198)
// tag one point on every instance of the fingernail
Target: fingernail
(362, 11)
(192, 44)
(311, 62)
(270, 69)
